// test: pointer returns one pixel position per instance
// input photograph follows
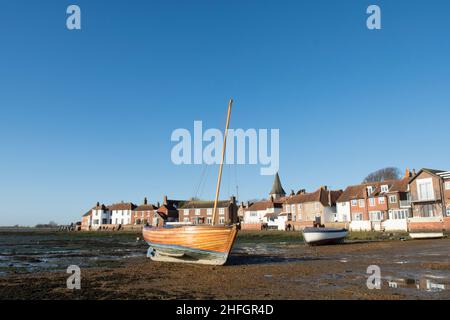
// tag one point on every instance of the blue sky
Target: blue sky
(87, 116)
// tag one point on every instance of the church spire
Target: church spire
(277, 189)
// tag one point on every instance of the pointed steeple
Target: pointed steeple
(277, 189)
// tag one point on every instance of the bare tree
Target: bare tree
(389, 173)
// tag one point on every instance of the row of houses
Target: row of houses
(418, 201)
(186, 211)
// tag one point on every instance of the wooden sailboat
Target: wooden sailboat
(202, 244)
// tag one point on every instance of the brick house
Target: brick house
(366, 204)
(145, 213)
(201, 212)
(86, 221)
(399, 205)
(430, 198)
(168, 211)
(305, 209)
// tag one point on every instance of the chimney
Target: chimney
(165, 200)
(407, 173)
(233, 199)
(414, 172)
(301, 191)
(158, 204)
(292, 193)
(329, 199)
(98, 204)
(324, 188)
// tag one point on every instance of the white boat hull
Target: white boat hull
(322, 236)
(426, 235)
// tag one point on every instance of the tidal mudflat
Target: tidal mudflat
(264, 265)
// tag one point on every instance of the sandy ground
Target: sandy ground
(293, 272)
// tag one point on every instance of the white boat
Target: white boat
(322, 236)
(426, 235)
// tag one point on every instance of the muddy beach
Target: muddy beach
(262, 266)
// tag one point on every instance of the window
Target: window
(381, 200)
(369, 190)
(372, 202)
(253, 214)
(209, 220)
(376, 215)
(361, 203)
(293, 208)
(393, 199)
(299, 207)
(427, 211)
(209, 212)
(398, 214)
(448, 211)
(197, 212)
(354, 203)
(288, 208)
(186, 219)
(222, 211)
(105, 221)
(186, 212)
(96, 221)
(221, 220)
(357, 216)
(447, 185)
(425, 189)
(384, 188)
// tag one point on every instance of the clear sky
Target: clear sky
(87, 116)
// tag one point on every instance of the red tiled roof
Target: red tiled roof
(204, 204)
(145, 207)
(360, 191)
(400, 185)
(264, 205)
(122, 206)
(321, 195)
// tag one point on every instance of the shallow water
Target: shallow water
(35, 252)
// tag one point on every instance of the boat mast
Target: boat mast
(224, 147)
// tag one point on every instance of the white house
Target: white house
(343, 211)
(101, 215)
(121, 213)
(265, 212)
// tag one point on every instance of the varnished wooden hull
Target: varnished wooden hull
(190, 244)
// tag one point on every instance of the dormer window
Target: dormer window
(369, 190)
(384, 188)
